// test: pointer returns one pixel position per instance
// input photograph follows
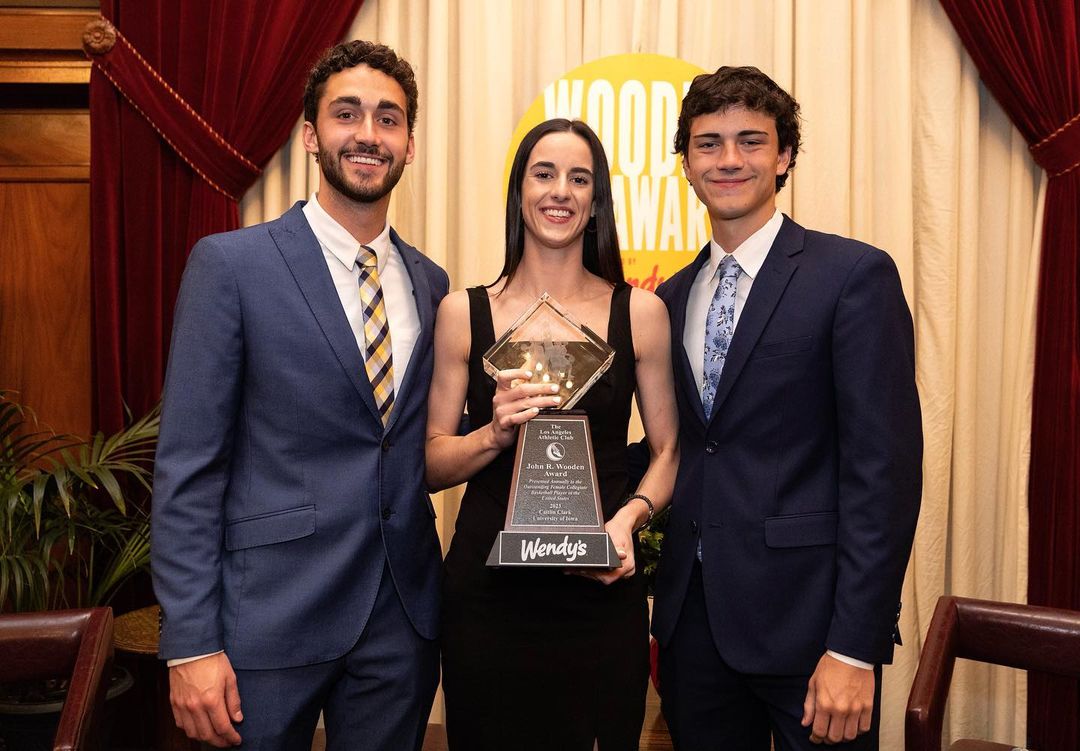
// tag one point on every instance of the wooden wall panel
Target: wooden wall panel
(43, 45)
(45, 212)
(40, 145)
(52, 29)
(45, 300)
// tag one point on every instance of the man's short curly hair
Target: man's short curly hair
(357, 52)
(741, 87)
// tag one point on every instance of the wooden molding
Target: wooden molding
(44, 145)
(43, 45)
(48, 173)
(44, 67)
(43, 28)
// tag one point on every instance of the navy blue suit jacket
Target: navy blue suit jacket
(278, 494)
(804, 486)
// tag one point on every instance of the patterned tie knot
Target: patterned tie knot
(366, 257)
(729, 267)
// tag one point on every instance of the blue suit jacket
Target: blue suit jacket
(278, 495)
(804, 486)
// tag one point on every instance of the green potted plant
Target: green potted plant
(651, 539)
(73, 527)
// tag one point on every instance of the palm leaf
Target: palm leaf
(133, 556)
(5, 577)
(81, 467)
(58, 534)
(112, 487)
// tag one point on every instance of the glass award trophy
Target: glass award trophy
(554, 517)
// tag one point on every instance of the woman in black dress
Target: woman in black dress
(539, 659)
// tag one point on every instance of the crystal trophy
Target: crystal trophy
(554, 517)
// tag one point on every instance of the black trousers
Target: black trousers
(710, 706)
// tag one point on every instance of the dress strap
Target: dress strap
(620, 335)
(481, 387)
(480, 324)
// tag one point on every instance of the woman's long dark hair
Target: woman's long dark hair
(601, 251)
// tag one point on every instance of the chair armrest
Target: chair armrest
(83, 707)
(926, 702)
(1026, 637)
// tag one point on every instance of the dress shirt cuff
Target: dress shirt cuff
(182, 660)
(849, 660)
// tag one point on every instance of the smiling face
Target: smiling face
(557, 191)
(361, 135)
(732, 160)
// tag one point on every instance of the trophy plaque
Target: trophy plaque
(554, 517)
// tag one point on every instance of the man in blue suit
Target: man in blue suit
(294, 547)
(795, 505)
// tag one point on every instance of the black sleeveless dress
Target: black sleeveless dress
(538, 659)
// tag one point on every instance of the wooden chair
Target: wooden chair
(1027, 637)
(73, 644)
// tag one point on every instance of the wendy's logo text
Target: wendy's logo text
(531, 550)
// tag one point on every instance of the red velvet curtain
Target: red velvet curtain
(187, 102)
(1027, 54)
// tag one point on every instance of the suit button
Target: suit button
(387, 513)
(710, 447)
(386, 445)
(693, 527)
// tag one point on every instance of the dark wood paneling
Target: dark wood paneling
(57, 96)
(43, 67)
(45, 300)
(45, 213)
(43, 28)
(40, 145)
(39, 45)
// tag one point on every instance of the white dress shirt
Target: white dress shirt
(340, 250)
(750, 256)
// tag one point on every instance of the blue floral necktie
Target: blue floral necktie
(719, 326)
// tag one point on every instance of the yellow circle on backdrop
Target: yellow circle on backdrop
(632, 102)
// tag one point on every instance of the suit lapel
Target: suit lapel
(684, 374)
(304, 257)
(422, 299)
(768, 288)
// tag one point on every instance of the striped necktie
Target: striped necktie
(378, 357)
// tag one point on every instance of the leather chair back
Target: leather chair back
(1027, 637)
(73, 644)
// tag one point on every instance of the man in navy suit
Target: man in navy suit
(795, 505)
(294, 547)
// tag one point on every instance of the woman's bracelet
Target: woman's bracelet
(648, 503)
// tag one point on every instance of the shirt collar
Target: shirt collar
(751, 254)
(337, 240)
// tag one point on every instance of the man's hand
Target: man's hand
(839, 701)
(205, 700)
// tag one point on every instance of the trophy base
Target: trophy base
(554, 550)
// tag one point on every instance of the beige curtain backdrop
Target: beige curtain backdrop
(903, 149)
